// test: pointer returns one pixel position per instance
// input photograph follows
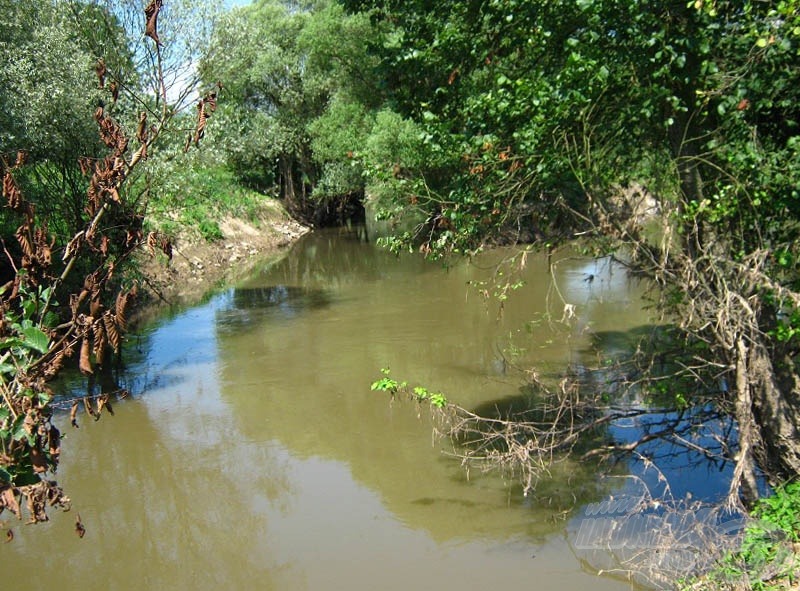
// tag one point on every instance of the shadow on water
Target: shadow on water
(249, 307)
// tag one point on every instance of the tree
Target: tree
(48, 318)
(299, 96)
(549, 116)
(49, 93)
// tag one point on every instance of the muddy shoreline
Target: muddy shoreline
(198, 267)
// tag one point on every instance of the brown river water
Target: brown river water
(253, 454)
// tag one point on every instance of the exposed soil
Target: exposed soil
(199, 266)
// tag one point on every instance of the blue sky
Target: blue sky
(232, 3)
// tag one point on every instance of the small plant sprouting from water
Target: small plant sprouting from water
(418, 393)
(387, 383)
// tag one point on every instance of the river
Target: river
(252, 453)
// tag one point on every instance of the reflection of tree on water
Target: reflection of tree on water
(333, 259)
(166, 486)
(679, 453)
(247, 307)
(676, 426)
(602, 416)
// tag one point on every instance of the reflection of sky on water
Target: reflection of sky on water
(597, 281)
(687, 471)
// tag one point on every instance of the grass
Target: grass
(194, 198)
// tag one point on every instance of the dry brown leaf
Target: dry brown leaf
(29, 424)
(24, 240)
(100, 70)
(99, 345)
(9, 536)
(79, 528)
(12, 192)
(54, 442)
(102, 401)
(36, 497)
(122, 302)
(38, 461)
(166, 247)
(73, 414)
(87, 405)
(110, 323)
(52, 368)
(8, 500)
(95, 306)
(113, 87)
(151, 14)
(152, 243)
(141, 129)
(84, 363)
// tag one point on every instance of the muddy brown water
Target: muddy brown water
(253, 454)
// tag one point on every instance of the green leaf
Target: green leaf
(10, 342)
(36, 339)
(5, 477)
(18, 432)
(7, 368)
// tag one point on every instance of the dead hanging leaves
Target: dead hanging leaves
(36, 498)
(151, 15)
(34, 241)
(205, 108)
(92, 318)
(94, 405)
(102, 328)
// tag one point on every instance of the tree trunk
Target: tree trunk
(285, 172)
(767, 414)
(776, 409)
(744, 474)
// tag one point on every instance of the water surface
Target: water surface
(254, 455)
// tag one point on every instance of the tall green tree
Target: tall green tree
(48, 94)
(296, 78)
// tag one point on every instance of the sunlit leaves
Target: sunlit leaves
(417, 393)
(47, 81)
(35, 339)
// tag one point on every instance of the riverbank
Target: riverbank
(199, 266)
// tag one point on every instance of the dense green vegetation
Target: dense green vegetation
(766, 559)
(663, 132)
